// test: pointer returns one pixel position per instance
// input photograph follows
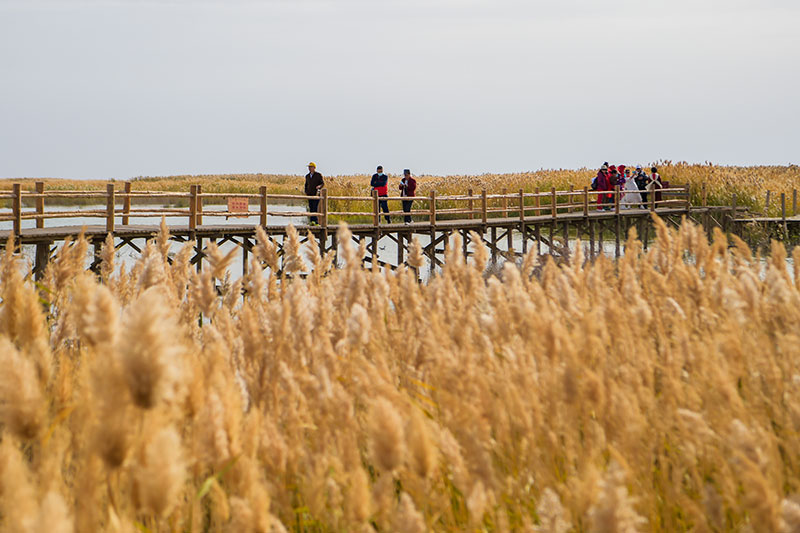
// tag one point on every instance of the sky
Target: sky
(123, 88)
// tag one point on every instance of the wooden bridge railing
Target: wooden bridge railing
(432, 208)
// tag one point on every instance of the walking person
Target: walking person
(380, 184)
(314, 183)
(408, 187)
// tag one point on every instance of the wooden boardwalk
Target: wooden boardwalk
(509, 224)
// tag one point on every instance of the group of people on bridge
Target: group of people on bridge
(379, 183)
(637, 186)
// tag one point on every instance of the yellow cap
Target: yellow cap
(312, 164)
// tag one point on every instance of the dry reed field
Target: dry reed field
(750, 184)
(657, 393)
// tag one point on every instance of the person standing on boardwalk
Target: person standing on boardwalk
(641, 180)
(380, 184)
(408, 187)
(613, 181)
(314, 183)
(632, 198)
(602, 183)
(621, 170)
(654, 184)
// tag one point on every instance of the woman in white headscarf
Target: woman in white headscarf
(632, 198)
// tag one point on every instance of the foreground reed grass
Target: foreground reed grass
(658, 393)
(750, 184)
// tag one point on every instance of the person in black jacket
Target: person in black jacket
(641, 179)
(314, 183)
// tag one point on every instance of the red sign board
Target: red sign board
(238, 205)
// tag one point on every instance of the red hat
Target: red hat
(622, 167)
(612, 167)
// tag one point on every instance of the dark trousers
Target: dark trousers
(407, 209)
(384, 205)
(643, 192)
(313, 207)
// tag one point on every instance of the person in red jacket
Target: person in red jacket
(380, 183)
(408, 187)
(603, 183)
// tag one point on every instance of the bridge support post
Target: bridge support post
(600, 236)
(199, 254)
(41, 260)
(245, 244)
(494, 243)
(433, 250)
(644, 234)
(400, 238)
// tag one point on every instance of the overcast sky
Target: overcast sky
(116, 89)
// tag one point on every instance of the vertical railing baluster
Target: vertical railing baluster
(263, 207)
(126, 204)
(16, 207)
(110, 206)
